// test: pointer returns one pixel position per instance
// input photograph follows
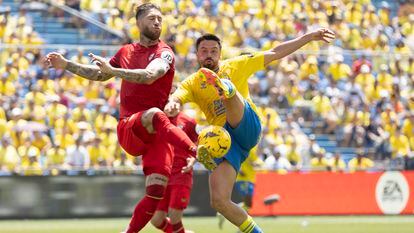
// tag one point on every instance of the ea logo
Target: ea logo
(392, 192)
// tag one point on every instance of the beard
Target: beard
(209, 64)
(152, 35)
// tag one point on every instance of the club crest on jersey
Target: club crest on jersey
(225, 75)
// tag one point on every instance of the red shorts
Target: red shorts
(157, 154)
(175, 197)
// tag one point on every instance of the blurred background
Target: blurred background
(338, 135)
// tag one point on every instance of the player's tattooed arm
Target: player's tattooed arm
(142, 76)
(88, 71)
(91, 72)
(154, 70)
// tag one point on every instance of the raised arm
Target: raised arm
(155, 69)
(90, 72)
(288, 47)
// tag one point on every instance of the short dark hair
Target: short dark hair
(208, 36)
(143, 8)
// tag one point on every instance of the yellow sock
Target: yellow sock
(248, 225)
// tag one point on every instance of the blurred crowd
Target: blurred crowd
(358, 90)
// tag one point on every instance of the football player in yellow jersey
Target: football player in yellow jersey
(221, 91)
(247, 177)
(245, 182)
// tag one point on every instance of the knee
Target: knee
(149, 114)
(218, 203)
(156, 221)
(156, 185)
(152, 111)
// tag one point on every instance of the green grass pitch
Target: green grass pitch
(303, 224)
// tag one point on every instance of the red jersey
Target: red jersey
(188, 125)
(140, 97)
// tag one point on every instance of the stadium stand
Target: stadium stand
(354, 101)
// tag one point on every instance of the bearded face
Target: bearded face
(208, 54)
(151, 33)
(150, 24)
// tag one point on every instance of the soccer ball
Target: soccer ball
(216, 139)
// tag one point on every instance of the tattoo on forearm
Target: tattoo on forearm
(88, 72)
(136, 76)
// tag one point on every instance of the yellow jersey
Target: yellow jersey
(363, 164)
(247, 170)
(237, 69)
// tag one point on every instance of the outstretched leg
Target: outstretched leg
(232, 99)
(221, 185)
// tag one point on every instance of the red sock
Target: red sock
(165, 226)
(172, 133)
(145, 209)
(178, 227)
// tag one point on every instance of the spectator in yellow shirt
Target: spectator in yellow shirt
(321, 103)
(16, 125)
(109, 141)
(55, 157)
(2, 110)
(294, 156)
(41, 141)
(33, 112)
(3, 127)
(319, 163)
(105, 119)
(384, 13)
(35, 95)
(309, 67)
(360, 162)
(55, 110)
(26, 149)
(365, 78)
(338, 70)
(7, 88)
(388, 115)
(45, 84)
(384, 78)
(81, 113)
(114, 21)
(9, 158)
(13, 73)
(65, 123)
(64, 138)
(123, 165)
(336, 163)
(407, 29)
(97, 153)
(353, 15)
(32, 166)
(400, 144)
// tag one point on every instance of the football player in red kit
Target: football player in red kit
(147, 70)
(177, 195)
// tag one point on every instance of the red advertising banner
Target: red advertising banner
(325, 193)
